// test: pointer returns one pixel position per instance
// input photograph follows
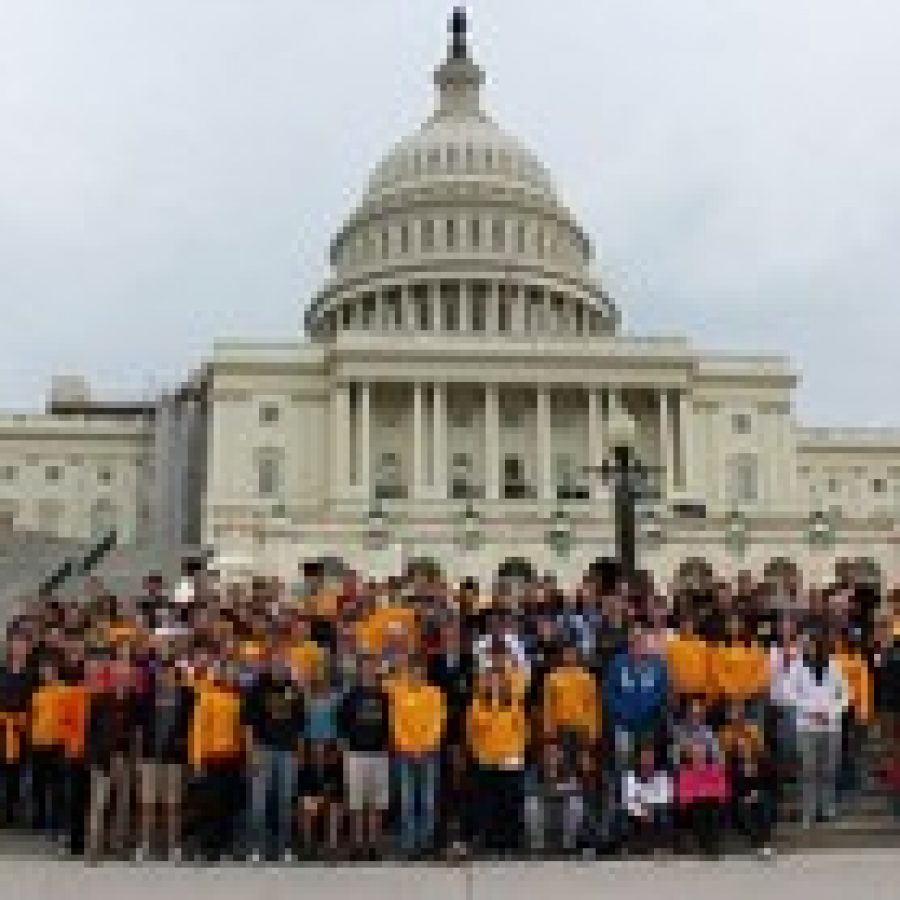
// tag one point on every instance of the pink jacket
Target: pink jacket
(705, 782)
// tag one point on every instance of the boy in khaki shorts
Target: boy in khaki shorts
(364, 729)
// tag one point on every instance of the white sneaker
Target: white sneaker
(288, 857)
(766, 852)
(176, 855)
(141, 853)
(256, 857)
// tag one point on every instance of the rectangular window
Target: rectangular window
(9, 473)
(428, 235)
(741, 423)
(53, 473)
(498, 236)
(269, 413)
(450, 225)
(368, 310)
(503, 316)
(520, 237)
(478, 293)
(385, 243)
(475, 233)
(404, 238)
(104, 475)
(744, 478)
(268, 472)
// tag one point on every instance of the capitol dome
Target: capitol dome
(460, 202)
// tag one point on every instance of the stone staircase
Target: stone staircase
(26, 560)
(865, 819)
(124, 568)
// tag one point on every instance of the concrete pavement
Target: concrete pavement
(863, 874)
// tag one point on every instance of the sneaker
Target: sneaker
(256, 857)
(288, 857)
(176, 855)
(766, 852)
(141, 853)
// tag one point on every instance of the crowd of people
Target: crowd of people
(343, 718)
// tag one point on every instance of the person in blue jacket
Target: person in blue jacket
(635, 695)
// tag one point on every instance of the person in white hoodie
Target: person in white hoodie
(819, 694)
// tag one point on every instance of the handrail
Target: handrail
(78, 566)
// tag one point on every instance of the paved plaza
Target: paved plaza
(867, 875)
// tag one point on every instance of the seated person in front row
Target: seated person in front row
(646, 804)
(701, 797)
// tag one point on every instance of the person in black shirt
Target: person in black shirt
(363, 725)
(163, 721)
(275, 719)
(17, 683)
(109, 753)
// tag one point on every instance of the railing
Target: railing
(76, 566)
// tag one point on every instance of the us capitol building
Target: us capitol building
(462, 375)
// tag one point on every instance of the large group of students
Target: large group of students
(343, 717)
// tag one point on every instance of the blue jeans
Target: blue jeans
(418, 778)
(274, 775)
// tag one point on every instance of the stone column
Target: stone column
(365, 434)
(409, 307)
(517, 311)
(439, 441)
(593, 431)
(545, 484)
(465, 306)
(666, 446)
(340, 440)
(686, 423)
(491, 443)
(418, 444)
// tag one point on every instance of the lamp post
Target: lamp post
(628, 477)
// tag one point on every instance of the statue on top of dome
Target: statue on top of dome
(458, 30)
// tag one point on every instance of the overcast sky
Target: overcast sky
(171, 170)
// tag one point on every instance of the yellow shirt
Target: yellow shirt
(372, 632)
(497, 733)
(46, 708)
(216, 725)
(856, 673)
(418, 717)
(738, 671)
(306, 660)
(571, 702)
(688, 661)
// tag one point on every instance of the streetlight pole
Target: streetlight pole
(628, 478)
(621, 473)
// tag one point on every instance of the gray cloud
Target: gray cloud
(171, 172)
